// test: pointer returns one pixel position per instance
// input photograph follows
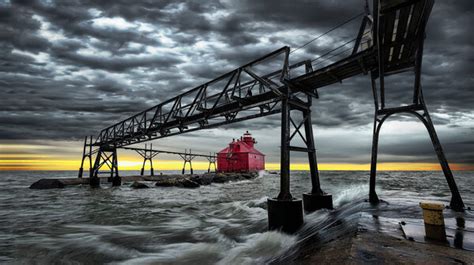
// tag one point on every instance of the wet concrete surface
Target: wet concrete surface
(379, 240)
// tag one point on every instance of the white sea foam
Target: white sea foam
(350, 194)
(255, 249)
(182, 253)
(258, 248)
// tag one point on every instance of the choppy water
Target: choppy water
(219, 223)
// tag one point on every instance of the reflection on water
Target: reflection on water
(219, 223)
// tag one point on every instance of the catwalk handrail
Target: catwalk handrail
(168, 152)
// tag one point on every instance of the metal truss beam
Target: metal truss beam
(229, 98)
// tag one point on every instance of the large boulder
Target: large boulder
(220, 178)
(187, 183)
(226, 177)
(168, 183)
(237, 177)
(181, 182)
(249, 175)
(138, 185)
(43, 184)
(205, 179)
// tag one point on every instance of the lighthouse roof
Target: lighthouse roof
(243, 148)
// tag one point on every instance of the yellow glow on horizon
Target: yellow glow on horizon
(28, 162)
(34, 157)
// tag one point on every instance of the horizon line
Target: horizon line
(170, 165)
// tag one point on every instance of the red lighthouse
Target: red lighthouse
(241, 156)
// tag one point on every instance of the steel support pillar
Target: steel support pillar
(106, 156)
(212, 161)
(86, 153)
(94, 179)
(423, 115)
(187, 157)
(285, 193)
(114, 176)
(285, 212)
(373, 198)
(456, 202)
(152, 171)
(316, 199)
(148, 155)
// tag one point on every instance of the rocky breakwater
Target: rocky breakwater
(195, 181)
(162, 180)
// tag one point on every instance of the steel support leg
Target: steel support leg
(285, 153)
(116, 180)
(151, 167)
(373, 198)
(142, 171)
(150, 159)
(212, 162)
(81, 169)
(106, 156)
(456, 203)
(456, 200)
(284, 212)
(94, 180)
(187, 159)
(90, 157)
(316, 199)
(313, 164)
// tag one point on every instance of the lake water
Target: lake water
(215, 224)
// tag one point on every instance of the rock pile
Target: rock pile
(164, 180)
(43, 184)
(194, 181)
(138, 185)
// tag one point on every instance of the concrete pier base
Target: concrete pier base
(314, 202)
(286, 216)
(94, 182)
(116, 181)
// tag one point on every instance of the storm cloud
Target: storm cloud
(71, 68)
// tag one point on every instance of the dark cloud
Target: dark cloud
(118, 64)
(68, 69)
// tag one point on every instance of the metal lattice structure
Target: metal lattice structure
(389, 42)
(149, 153)
(217, 102)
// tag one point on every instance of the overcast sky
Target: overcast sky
(70, 68)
